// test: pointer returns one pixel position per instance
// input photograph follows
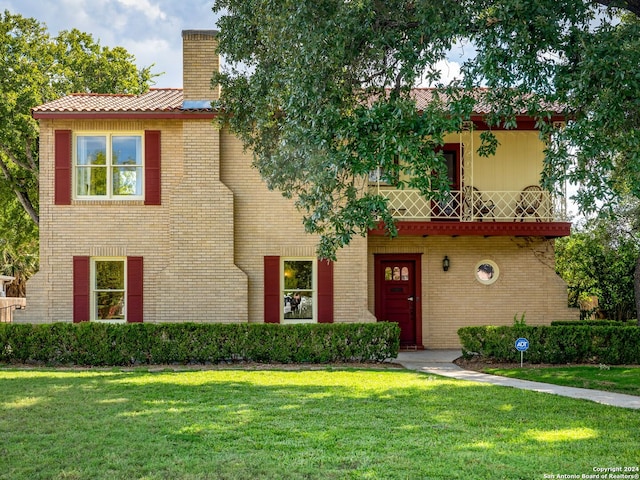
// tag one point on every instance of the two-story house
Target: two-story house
(151, 213)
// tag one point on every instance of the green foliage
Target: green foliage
(519, 321)
(317, 114)
(18, 243)
(593, 323)
(320, 92)
(100, 344)
(614, 345)
(600, 262)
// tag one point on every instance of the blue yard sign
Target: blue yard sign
(522, 344)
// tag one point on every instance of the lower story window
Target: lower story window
(299, 289)
(108, 289)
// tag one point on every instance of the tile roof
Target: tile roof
(170, 100)
(155, 100)
(424, 96)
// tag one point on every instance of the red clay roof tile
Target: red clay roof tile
(155, 100)
(171, 100)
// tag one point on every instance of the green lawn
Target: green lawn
(311, 424)
(611, 379)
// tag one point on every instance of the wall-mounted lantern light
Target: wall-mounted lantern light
(445, 263)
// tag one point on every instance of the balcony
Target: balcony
(530, 212)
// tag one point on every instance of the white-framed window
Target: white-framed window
(299, 289)
(108, 165)
(108, 289)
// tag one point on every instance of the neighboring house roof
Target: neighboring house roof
(156, 103)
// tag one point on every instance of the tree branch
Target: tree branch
(632, 6)
(29, 154)
(30, 166)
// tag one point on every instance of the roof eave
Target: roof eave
(161, 115)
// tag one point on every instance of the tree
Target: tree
(600, 262)
(314, 107)
(38, 68)
(621, 227)
(583, 55)
(321, 93)
(18, 243)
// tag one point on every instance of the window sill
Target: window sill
(78, 202)
(291, 321)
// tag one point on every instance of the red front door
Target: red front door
(397, 294)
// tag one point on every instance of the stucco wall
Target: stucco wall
(517, 162)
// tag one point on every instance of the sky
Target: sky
(150, 30)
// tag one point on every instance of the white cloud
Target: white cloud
(151, 11)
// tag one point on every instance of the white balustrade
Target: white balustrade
(471, 205)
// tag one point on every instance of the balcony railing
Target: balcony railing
(472, 205)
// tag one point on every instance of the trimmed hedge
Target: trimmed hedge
(614, 345)
(100, 344)
(595, 323)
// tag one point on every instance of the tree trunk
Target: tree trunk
(636, 288)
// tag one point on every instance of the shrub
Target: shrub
(610, 344)
(99, 344)
(594, 323)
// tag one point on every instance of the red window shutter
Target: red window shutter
(152, 184)
(272, 300)
(325, 291)
(135, 289)
(62, 187)
(81, 289)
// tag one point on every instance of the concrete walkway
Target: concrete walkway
(439, 362)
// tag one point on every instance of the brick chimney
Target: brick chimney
(200, 60)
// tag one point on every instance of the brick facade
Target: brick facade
(527, 283)
(204, 246)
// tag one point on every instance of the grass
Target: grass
(611, 379)
(308, 424)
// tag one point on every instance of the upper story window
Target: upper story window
(452, 153)
(108, 166)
